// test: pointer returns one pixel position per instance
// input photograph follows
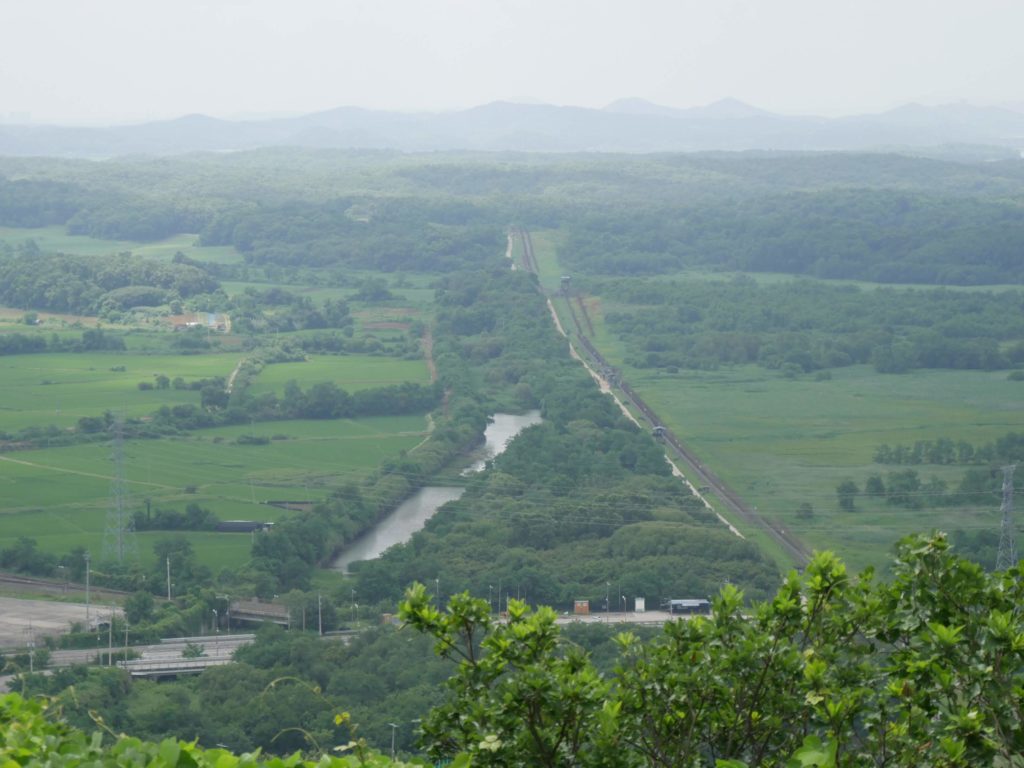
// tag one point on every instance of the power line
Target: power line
(118, 538)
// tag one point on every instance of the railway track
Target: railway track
(586, 315)
(530, 261)
(790, 545)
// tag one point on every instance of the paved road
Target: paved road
(214, 646)
(620, 617)
(217, 649)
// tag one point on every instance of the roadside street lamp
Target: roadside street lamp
(216, 632)
(437, 591)
(31, 645)
(490, 598)
(394, 729)
(87, 622)
(607, 597)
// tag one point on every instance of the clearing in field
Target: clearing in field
(350, 372)
(55, 239)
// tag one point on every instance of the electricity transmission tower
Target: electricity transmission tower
(1007, 556)
(118, 538)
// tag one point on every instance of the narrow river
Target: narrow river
(413, 513)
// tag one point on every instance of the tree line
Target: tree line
(808, 325)
(1008, 449)
(879, 235)
(91, 340)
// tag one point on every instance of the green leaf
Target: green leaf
(169, 751)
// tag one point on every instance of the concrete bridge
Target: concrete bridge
(258, 612)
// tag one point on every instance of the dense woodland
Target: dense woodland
(386, 235)
(806, 326)
(877, 235)
(76, 285)
(874, 217)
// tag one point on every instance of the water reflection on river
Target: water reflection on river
(413, 513)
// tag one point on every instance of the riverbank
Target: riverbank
(412, 514)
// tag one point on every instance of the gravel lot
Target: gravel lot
(23, 620)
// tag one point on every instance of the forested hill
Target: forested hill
(881, 218)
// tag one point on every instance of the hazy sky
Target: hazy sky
(101, 61)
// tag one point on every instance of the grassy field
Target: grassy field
(56, 240)
(768, 278)
(317, 294)
(60, 388)
(781, 442)
(60, 496)
(416, 290)
(545, 244)
(350, 372)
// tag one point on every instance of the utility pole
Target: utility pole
(1007, 556)
(168, 578)
(319, 614)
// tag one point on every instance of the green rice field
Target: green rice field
(60, 496)
(60, 388)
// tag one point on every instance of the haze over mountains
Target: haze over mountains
(626, 125)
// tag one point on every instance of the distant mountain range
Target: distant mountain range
(627, 125)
